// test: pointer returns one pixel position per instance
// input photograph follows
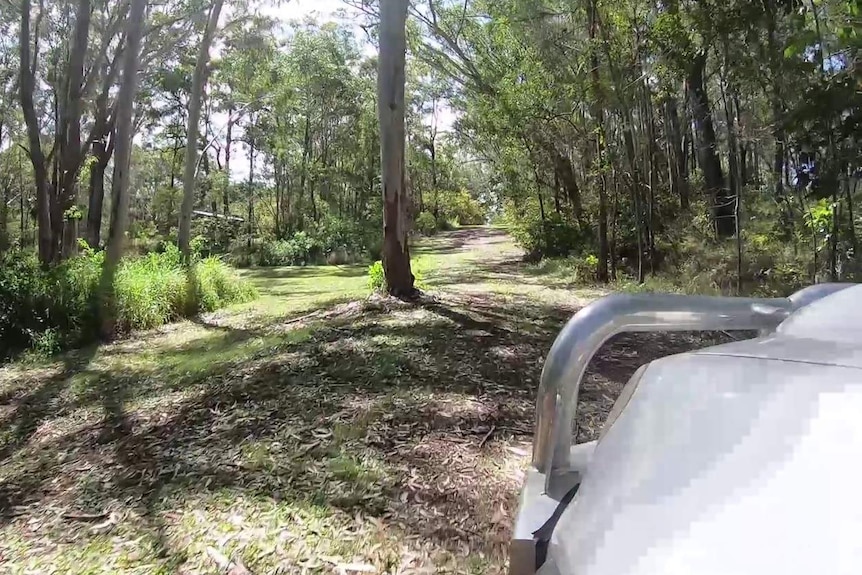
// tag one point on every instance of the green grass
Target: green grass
(290, 290)
(303, 431)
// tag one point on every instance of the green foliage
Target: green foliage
(34, 301)
(47, 343)
(297, 251)
(575, 270)
(333, 241)
(426, 224)
(553, 236)
(342, 235)
(55, 309)
(23, 302)
(73, 213)
(216, 235)
(461, 208)
(376, 277)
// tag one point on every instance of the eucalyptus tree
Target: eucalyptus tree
(390, 110)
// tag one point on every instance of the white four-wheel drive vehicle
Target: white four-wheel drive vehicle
(743, 459)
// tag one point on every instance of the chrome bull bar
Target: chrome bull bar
(556, 463)
(593, 325)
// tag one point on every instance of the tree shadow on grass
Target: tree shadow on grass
(400, 414)
(28, 408)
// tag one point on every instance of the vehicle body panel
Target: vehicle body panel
(741, 458)
(747, 466)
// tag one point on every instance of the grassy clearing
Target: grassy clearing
(306, 432)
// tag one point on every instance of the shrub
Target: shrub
(216, 234)
(241, 254)
(376, 277)
(426, 224)
(73, 284)
(24, 305)
(301, 249)
(338, 256)
(157, 289)
(332, 240)
(460, 208)
(553, 236)
(374, 247)
(275, 253)
(335, 234)
(570, 270)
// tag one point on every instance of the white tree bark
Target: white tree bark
(199, 81)
(122, 160)
(390, 113)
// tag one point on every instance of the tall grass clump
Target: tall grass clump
(150, 291)
(50, 310)
(217, 285)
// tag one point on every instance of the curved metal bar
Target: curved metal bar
(589, 328)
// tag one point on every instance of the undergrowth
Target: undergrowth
(46, 311)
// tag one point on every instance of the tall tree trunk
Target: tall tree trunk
(97, 193)
(676, 153)
(650, 155)
(390, 110)
(228, 144)
(833, 239)
(288, 205)
(303, 175)
(599, 114)
(4, 209)
(614, 223)
(120, 183)
(730, 120)
(22, 225)
(738, 232)
(250, 224)
(4, 219)
(741, 142)
(278, 200)
(722, 201)
(432, 148)
(199, 80)
(566, 172)
(733, 167)
(27, 85)
(70, 153)
(629, 147)
(539, 196)
(851, 223)
(312, 200)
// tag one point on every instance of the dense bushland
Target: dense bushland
(710, 145)
(770, 258)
